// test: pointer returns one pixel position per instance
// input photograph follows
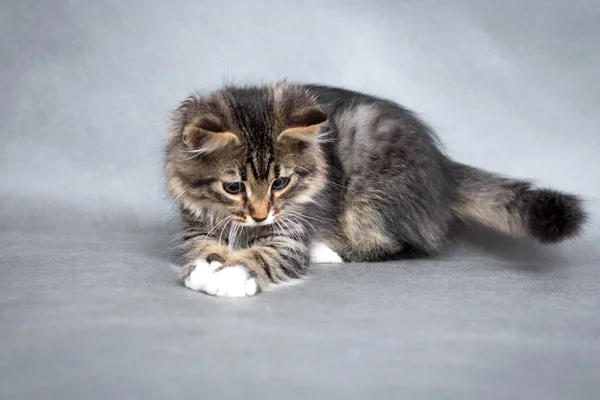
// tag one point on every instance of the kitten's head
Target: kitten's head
(251, 153)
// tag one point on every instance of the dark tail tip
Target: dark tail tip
(552, 216)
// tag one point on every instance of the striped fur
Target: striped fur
(260, 172)
(273, 254)
(251, 137)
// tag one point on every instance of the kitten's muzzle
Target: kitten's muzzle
(254, 221)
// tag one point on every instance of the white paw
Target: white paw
(232, 281)
(320, 253)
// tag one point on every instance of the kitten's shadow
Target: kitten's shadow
(467, 241)
(519, 253)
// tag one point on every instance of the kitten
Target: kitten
(265, 174)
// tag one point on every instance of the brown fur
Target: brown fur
(360, 173)
(212, 144)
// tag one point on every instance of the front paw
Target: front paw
(215, 279)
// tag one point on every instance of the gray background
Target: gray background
(89, 305)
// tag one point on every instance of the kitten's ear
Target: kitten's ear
(304, 125)
(206, 134)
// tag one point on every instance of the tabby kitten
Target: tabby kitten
(271, 178)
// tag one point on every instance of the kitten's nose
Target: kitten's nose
(259, 210)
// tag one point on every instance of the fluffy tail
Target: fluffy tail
(514, 207)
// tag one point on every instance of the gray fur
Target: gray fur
(393, 160)
(371, 182)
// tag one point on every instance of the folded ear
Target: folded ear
(205, 135)
(304, 125)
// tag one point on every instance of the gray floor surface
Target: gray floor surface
(89, 304)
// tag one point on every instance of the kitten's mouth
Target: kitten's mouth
(250, 222)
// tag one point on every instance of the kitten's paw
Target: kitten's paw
(211, 278)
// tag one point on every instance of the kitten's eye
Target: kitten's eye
(280, 183)
(234, 187)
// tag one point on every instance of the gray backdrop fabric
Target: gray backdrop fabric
(89, 303)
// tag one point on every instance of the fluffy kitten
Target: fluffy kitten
(262, 173)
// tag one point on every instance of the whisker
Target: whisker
(322, 138)
(223, 230)
(221, 222)
(233, 236)
(295, 234)
(301, 217)
(190, 158)
(195, 151)
(307, 171)
(298, 214)
(171, 205)
(295, 248)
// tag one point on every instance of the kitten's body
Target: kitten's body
(361, 174)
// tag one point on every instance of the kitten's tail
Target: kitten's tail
(514, 207)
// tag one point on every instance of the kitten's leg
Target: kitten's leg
(373, 227)
(203, 271)
(270, 259)
(274, 258)
(362, 235)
